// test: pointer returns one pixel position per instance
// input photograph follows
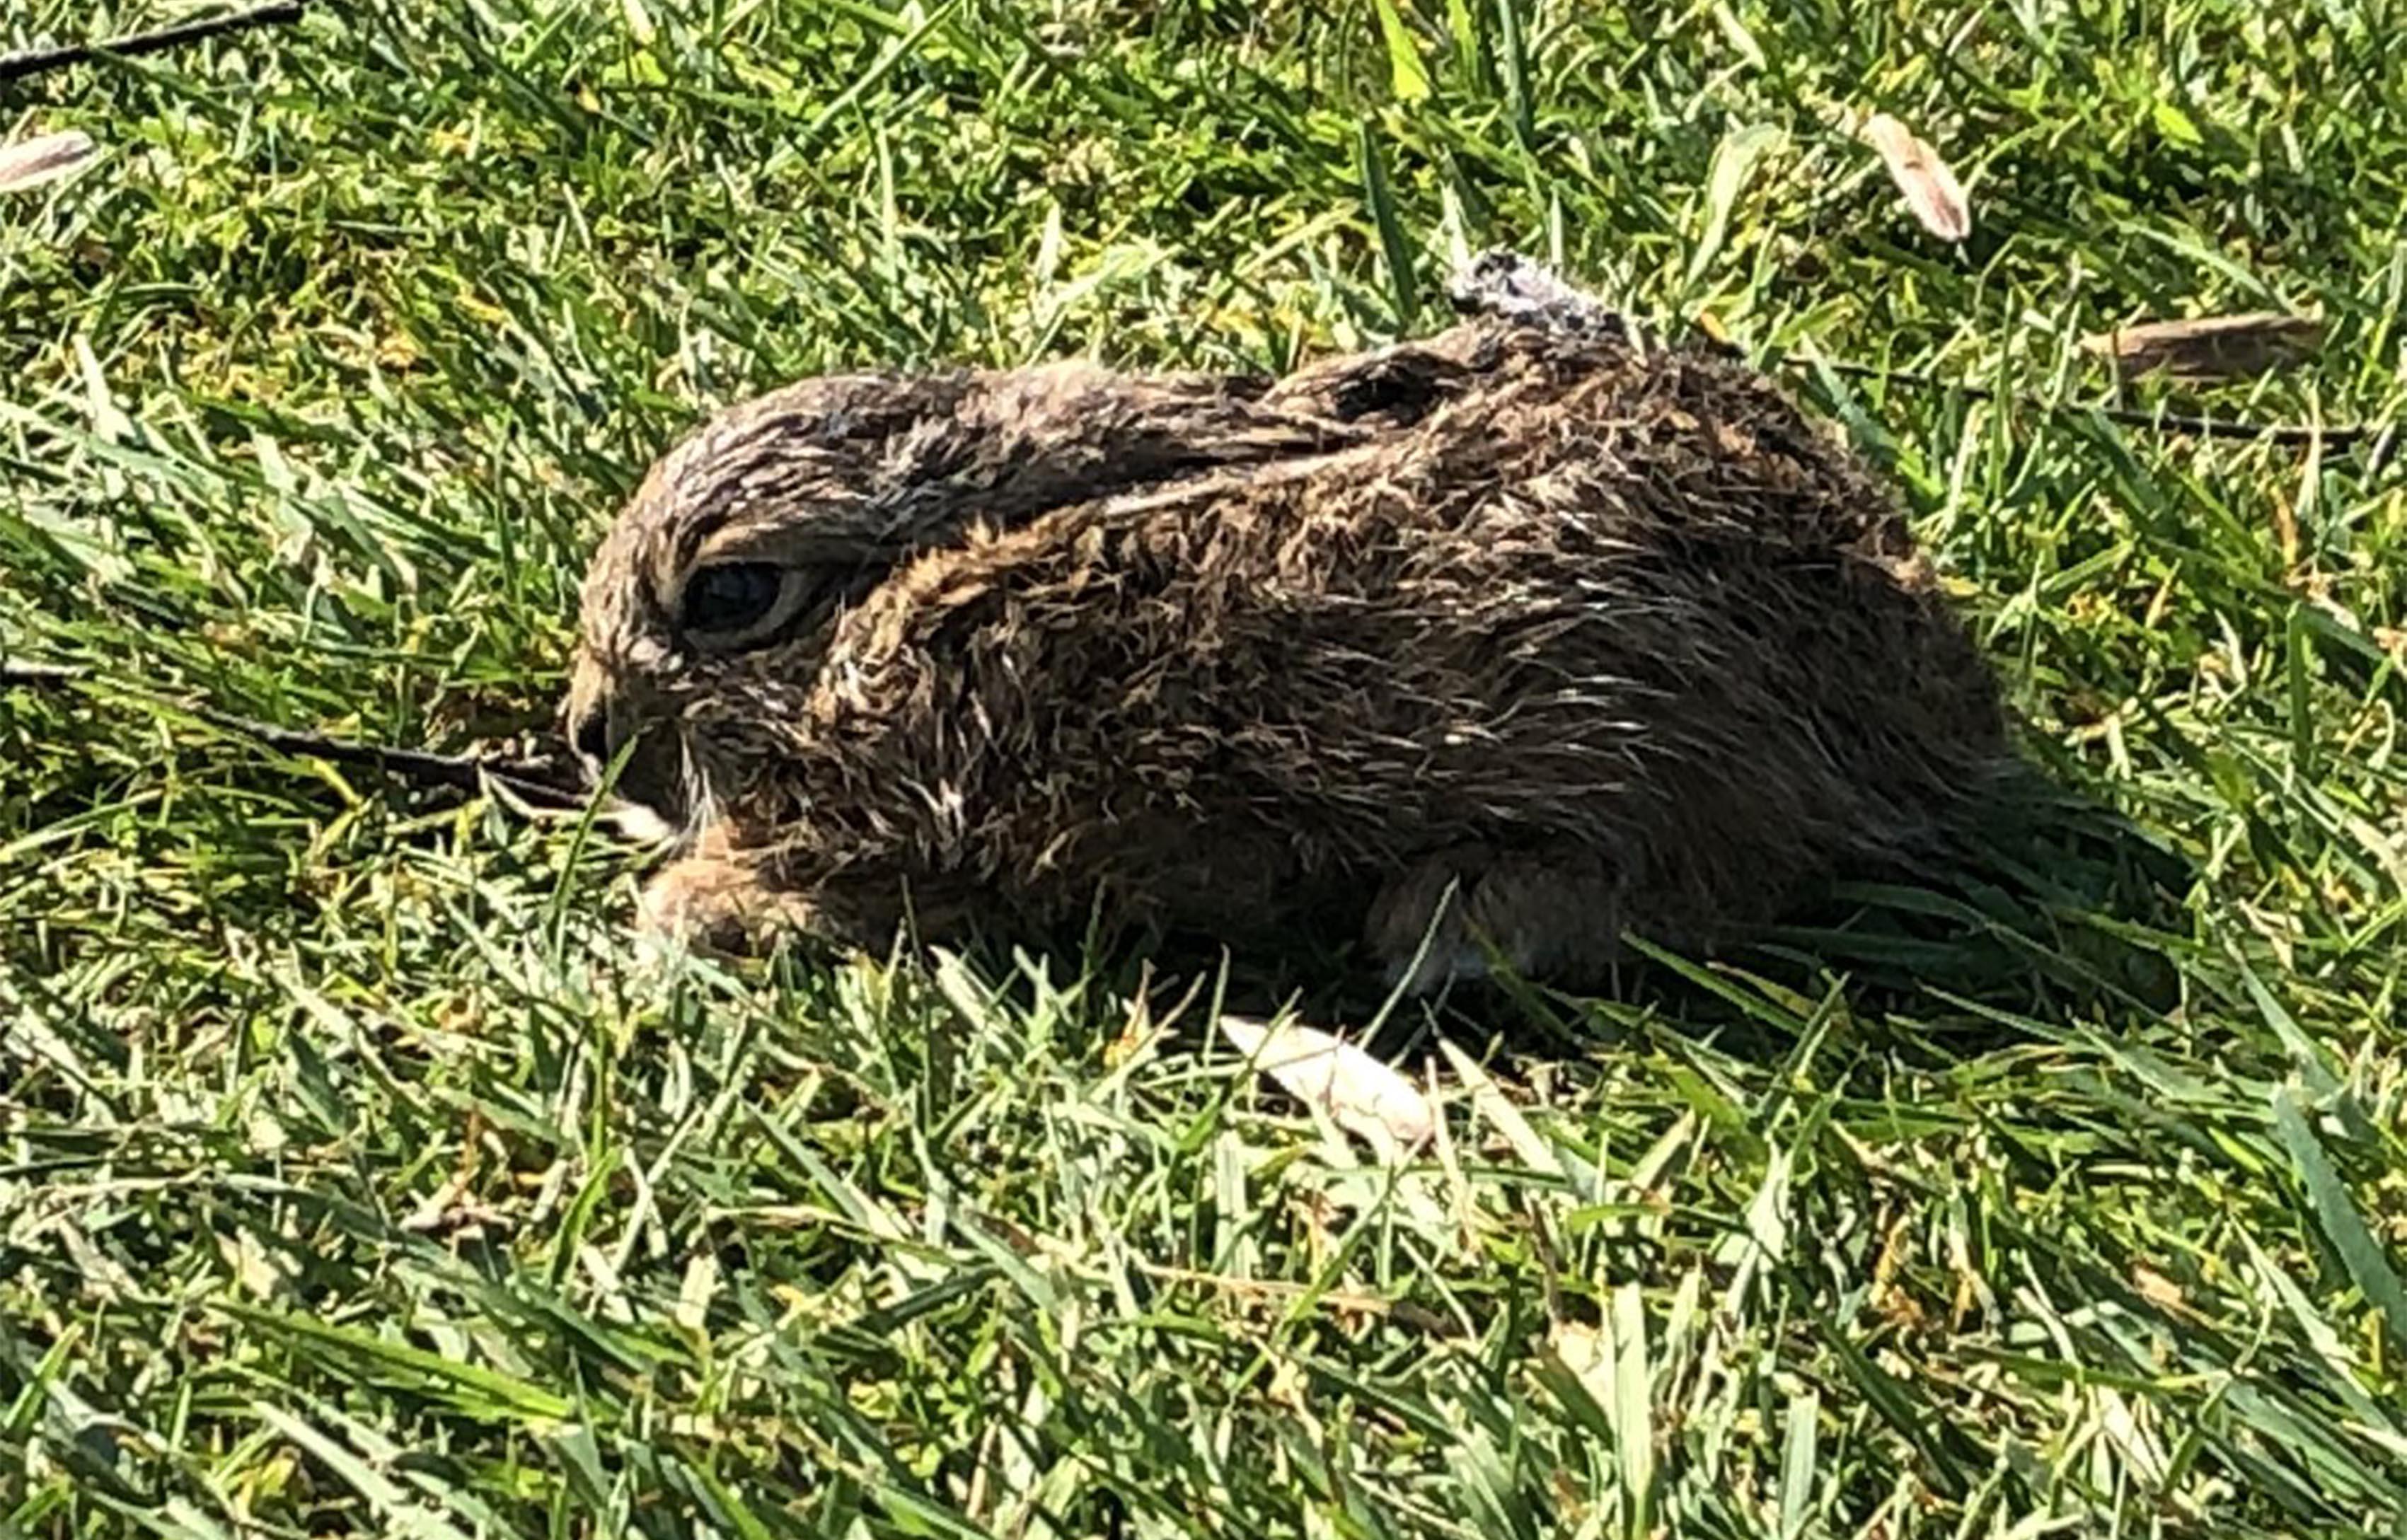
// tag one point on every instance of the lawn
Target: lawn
(361, 1174)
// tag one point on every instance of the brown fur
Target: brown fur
(1583, 634)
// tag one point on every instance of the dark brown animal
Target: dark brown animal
(1486, 645)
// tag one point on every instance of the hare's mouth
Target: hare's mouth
(657, 797)
(643, 823)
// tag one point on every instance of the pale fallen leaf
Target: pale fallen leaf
(2211, 346)
(1363, 1095)
(1582, 1347)
(1930, 189)
(45, 158)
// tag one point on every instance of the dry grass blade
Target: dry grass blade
(1930, 188)
(43, 159)
(1363, 1095)
(2212, 347)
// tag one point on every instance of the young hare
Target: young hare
(1486, 647)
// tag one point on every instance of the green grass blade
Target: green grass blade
(2343, 1223)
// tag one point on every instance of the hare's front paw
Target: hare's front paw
(734, 900)
(718, 904)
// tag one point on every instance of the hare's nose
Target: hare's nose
(585, 714)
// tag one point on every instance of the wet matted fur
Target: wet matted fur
(1502, 641)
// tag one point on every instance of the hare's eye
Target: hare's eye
(723, 601)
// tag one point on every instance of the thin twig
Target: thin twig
(530, 783)
(33, 61)
(461, 772)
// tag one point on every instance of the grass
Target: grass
(359, 1176)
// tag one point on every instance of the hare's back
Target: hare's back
(1394, 651)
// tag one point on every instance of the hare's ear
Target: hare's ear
(1036, 439)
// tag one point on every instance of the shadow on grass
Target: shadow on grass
(2055, 908)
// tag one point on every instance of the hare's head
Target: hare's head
(710, 605)
(714, 594)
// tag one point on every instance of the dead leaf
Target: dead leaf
(1930, 189)
(2212, 347)
(2159, 1289)
(45, 158)
(1365, 1097)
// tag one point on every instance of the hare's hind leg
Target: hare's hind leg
(1458, 916)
